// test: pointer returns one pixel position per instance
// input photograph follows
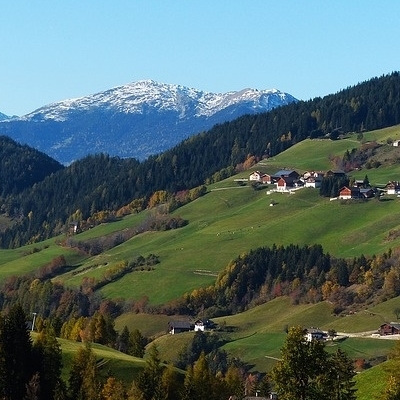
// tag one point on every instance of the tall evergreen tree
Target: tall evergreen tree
(113, 389)
(148, 386)
(123, 340)
(83, 379)
(300, 374)
(16, 366)
(234, 381)
(48, 362)
(137, 343)
(342, 375)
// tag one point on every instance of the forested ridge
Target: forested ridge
(101, 182)
(21, 167)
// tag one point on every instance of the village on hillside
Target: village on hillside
(288, 181)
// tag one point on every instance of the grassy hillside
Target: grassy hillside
(122, 366)
(257, 335)
(228, 221)
(371, 383)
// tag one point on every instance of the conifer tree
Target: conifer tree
(16, 367)
(137, 343)
(300, 372)
(123, 340)
(171, 383)
(234, 381)
(342, 374)
(113, 389)
(148, 386)
(48, 361)
(83, 379)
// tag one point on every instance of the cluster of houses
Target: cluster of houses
(287, 180)
(386, 329)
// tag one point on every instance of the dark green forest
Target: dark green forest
(100, 182)
(21, 167)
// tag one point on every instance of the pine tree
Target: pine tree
(300, 374)
(171, 383)
(148, 386)
(48, 361)
(342, 374)
(123, 340)
(16, 367)
(234, 381)
(113, 389)
(137, 343)
(83, 379)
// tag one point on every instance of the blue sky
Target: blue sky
(54, 50)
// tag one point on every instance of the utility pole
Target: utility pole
(33, 322)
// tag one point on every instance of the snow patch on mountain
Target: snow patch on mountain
(137, 97)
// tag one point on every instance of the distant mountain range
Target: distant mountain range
(135, 120)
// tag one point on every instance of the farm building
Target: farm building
(392, 328)
(393, 187)
(346, 193)
(315, 334)
(186, 326)
(285, 173)
(258, 176)
(179, 327)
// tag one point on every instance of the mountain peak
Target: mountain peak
(134, 120)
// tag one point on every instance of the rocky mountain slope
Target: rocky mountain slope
(134, 120)
(3, 116)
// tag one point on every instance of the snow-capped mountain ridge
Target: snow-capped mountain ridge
(134, 120)
(130, 98)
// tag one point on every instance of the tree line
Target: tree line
(100, 182)
(305, 274)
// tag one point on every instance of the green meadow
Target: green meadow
(228, 221)
(120, 365)
(257, 335)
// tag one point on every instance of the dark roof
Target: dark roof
(393, 325)
(315, 330)
(180, 324)
(284, 172)
(336, 172)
